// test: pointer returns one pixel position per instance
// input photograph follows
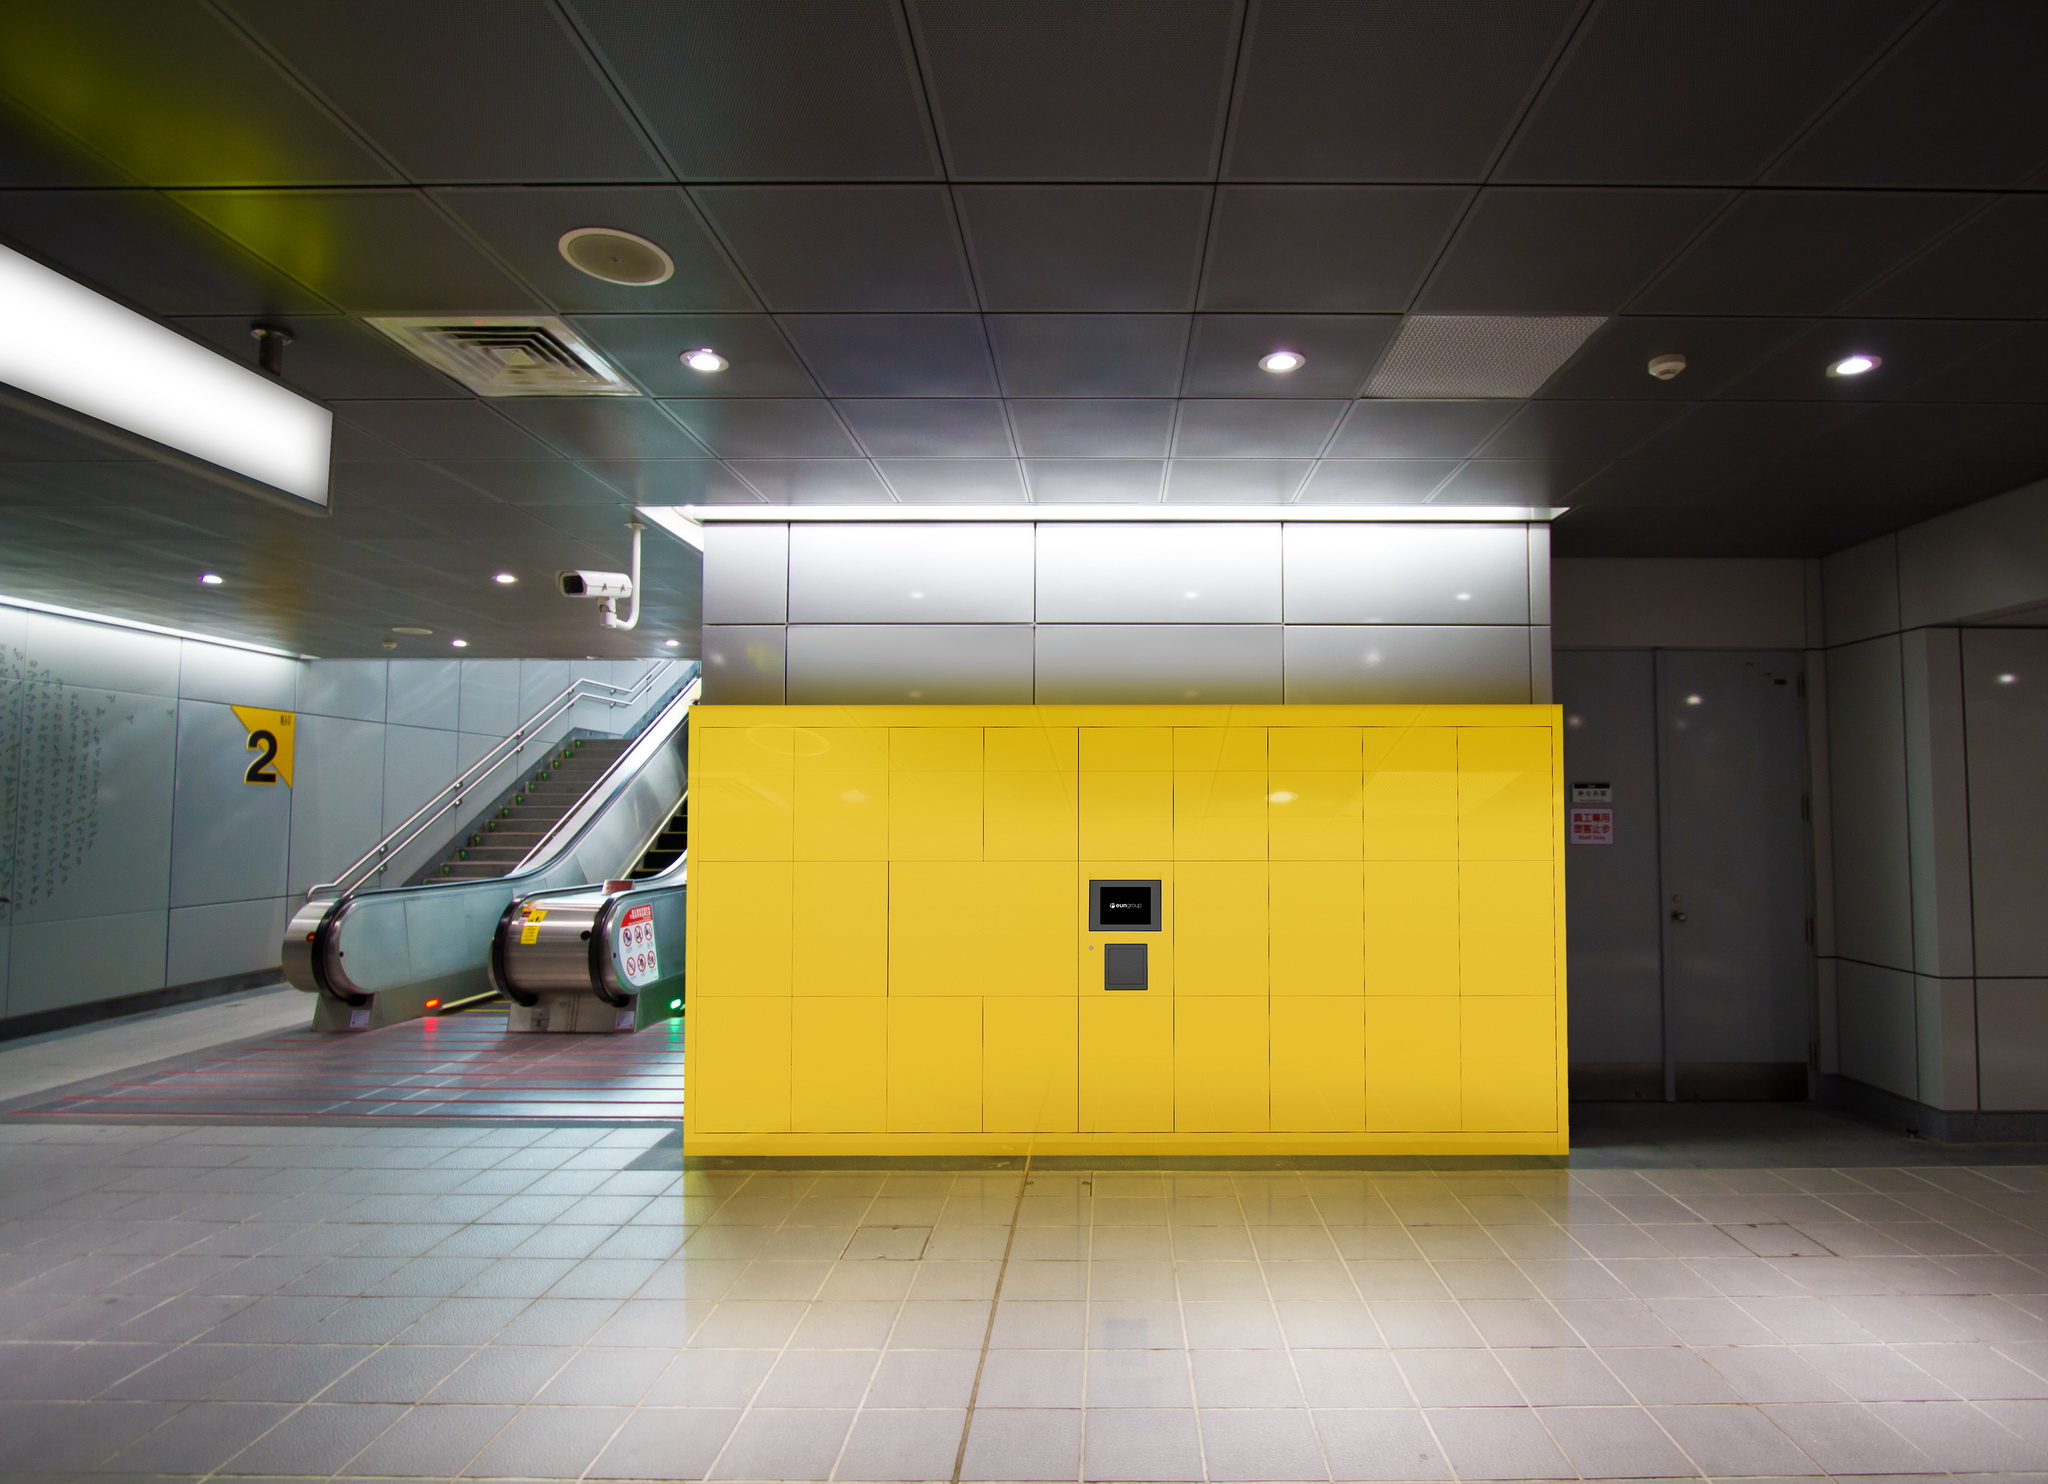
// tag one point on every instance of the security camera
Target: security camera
(609, 588)
(595, 584)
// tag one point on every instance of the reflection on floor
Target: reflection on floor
(414, 1299)
(455, 1067)
(34, 1064)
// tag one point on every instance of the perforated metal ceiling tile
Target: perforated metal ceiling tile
(784, 428)
(814, 481)
(1101, 427)
(1738, 432)
(733, 90)
(1333, 249)
(528, 106)
(457, 428)
(1101, 248)
(1375, 481)
(929, 428)
(1993, 266)
(1089, 355)
(1514, 482)
(1418, 429)
(1694, 91)
(955, 481)
(1234, 481)
(603, 427)
(1254, 429)
(891, 247)
(1577, 430)
(1341, 349)
(1478, 355)
(1394, 91)
(895, 355)
(2012, 368)
(673, 481)
(650, 347)
(1095, 481)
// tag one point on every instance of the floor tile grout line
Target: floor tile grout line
(988, 1332)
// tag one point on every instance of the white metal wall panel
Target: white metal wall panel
(743, 664)
(746, 574)
(1159, 573)
(882, 664)
(890, 572)
(1422, 664)
(1368, 573)
(1158, 664)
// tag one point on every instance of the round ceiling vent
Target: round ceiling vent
(616, 257)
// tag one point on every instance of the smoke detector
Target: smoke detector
(616, 257)
(508, 355)
(1666, 367)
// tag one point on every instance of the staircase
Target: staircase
(522, 817)
(668, 846)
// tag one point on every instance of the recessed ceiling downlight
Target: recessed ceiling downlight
(211, 579)
(1855, 365)
(1282, 361)
(704, 358)
(505, 579)
(616, 257)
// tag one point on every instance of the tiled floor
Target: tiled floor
(445, 1067)
(420, 1301)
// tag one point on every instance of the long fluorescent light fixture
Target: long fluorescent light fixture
(74, 357)
(682, 521)
(147, 628)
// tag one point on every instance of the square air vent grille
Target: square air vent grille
(509, 355)
(1478, 355)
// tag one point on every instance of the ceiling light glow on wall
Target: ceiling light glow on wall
(211, 579)
(704, 358)
(1282, 361)
(1855, 365)
(75, 351)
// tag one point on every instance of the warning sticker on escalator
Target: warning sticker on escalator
(637, 962)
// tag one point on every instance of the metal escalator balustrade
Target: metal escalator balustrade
(508, 832)
(375, 956)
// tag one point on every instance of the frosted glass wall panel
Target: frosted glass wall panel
(106, 658)
(1342, 573)
(223, 938)
(351, 688)
(746, 574)
(743, 664)
(931, 663)
(1410, 664)
(229, 837)
(340, 766)
(490, 696)
(1159, 573)
(212, 672)
(53, 965)
(425, 693)
(886, 572)
(1158, 664)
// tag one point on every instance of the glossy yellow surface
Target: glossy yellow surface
(1361, 946)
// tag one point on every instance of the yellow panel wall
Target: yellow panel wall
(1359, 946)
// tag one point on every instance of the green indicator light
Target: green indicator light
(675, 1004)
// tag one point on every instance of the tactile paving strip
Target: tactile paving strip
(459, 1067)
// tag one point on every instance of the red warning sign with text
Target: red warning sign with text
(1592, 826)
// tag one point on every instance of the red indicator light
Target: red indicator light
(433, 1004)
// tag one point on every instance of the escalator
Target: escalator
(376, 956)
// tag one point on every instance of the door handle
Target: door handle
(1678, 917)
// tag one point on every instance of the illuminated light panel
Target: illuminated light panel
(686, 522)
(65, 344)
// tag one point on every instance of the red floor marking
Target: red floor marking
(460, 1067)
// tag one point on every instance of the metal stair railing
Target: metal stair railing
(378, 858)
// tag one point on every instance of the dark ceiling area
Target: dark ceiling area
(1011, 251)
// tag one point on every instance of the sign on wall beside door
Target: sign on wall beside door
(270, 742)
(1590, 826)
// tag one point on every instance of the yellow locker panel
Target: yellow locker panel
(1219, 928)
(1509, 1063)
(935, 816)
(1125, 813)
(935, 749)
(1029, 749)
(1028, 1064)
(842, 815)
(737, 1072)
(1411, 927)
(840, 749)
(1507, 933)
(1126, 749)
(1412, 1066)
(1219, 1064)
(1219, 815)
(1028, 816)
(1410, 801)
(935, 1065)
(982, 927)
(1126, 1063)
(1312, 816)
(745, 912)
(1318, 1064)
(1506, 800)
(840, 941)
(1314, 749)
(1226, 749)
(1316, 916)
(740, 794)
(839, 1065)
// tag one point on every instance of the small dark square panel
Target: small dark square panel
(1123, 906)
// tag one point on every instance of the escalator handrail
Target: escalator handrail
(657, 735)
(378, 856)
